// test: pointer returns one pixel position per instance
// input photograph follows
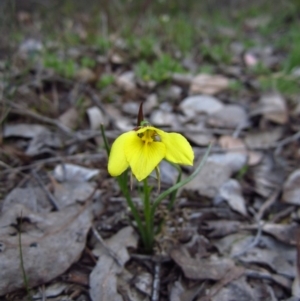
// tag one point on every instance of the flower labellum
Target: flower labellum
(143, 148)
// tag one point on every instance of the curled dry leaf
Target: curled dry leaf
(193, 105)
(274, 108)
(103, 279)
(126, 81)
(69, 118)
(85, 75)
(44, 143)
(209, 180)
(23, 130)
(55, 237)
(231, 191)
(269, 258)
(212, 268)
(236, 290)
(34, 198)
(68, 193)
(237, 145)
(96, 118)
(263, 139)
(230, 116)
(72, 172)
(291, 188)
(283, 232)
(208, 84)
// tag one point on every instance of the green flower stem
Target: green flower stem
(180, 184)
(107, 147)
(124, 189)
(148, 220)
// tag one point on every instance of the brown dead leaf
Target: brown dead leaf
(274, 108)
(291, 188)
(68, 193)
(72, 172)
(209, 180)
(284, 233)
(51, 242)
(269, 258)
(212, 268)
(193, 105)
(231, 116)
(263, 139)
(32, 198)
(69, 118)
(126, 81)
(208, 84)
(23, 130)
(236, 290)
(96, 117)
(103, 279)
(85, 75)
(231, 192)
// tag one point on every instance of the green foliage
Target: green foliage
(218, 52)
(64, 67)
(102, 44)
(285, 84)
(105, 81)
(159, 71)
(180, 32)
(87, 62)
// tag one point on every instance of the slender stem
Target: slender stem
(148, 215)
(25, 279)
(107, 147)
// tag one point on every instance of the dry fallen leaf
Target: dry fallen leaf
(55, 237)
(208, 84)
(69, 118)
(126, 81)
(230, 116)
(291, 188)
(274, 108)
(193, 105)
(212, 268)
(209, 180)
(96, 118)
(263, 139)
(103, 279)
(236, 290)
(85, 75)
(44, 143)
(231, 191)
(72, 172)
(23, 130)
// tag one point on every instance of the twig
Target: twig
(23, 111)
(25, 278)
(282, 143)
(282, 214)
(255, 241)
(270, 201)
(111, 252)
(49, 195)
(156, 282)
(54, 160)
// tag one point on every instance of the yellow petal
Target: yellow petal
(143, 157)
(117, 162)
(178, 149)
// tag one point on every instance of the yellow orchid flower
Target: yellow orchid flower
(144, 148)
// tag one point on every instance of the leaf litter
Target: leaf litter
(233, 233)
